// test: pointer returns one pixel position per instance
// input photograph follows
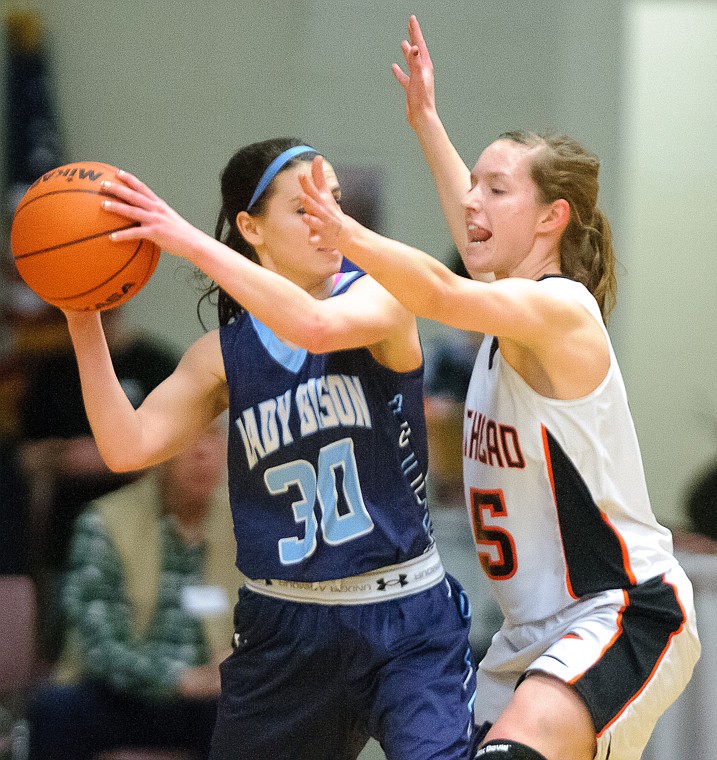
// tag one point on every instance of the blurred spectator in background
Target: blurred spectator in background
(13, 498)
(449, 360)
(148, 597)
(700, 536)
(29, 328)
(62, 467)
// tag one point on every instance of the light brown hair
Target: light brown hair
(562, 168)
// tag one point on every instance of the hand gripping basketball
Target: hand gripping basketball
(61, 245)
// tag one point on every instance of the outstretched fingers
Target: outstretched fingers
(317, 174)
(132, 213)
(416, 36)
(314, 187)
(136, 184)
(400, 76)
(322, 214)
(313, 213)
(417, 79)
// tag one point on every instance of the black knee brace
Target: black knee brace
(505, 749)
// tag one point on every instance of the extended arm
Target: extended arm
(553, 342)
(514, 308)
(365, 316)
(450, 173)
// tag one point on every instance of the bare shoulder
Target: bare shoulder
(203, 359)
(381, 323)
(564, 351)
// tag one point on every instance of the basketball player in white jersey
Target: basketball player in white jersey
(599, 635)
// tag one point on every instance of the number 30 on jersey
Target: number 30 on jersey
(320, 484)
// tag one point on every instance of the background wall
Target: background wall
(169, 90)
(668, 229)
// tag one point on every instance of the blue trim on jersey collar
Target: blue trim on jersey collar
(291, 359)
(345, 279)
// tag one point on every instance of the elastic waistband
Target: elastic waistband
(392, 582)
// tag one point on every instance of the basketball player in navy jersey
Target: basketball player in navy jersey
(599, 635)
(349, 626)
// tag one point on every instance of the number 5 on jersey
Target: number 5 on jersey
(499, 561)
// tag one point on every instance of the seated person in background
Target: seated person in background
(56, 436)
(60, 462)
(148, 599)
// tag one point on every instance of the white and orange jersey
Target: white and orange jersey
(555, 489)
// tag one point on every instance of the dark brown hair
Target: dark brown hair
(239, 179)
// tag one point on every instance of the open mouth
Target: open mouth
(477, 234)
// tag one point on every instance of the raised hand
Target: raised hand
(326, 221)
(418, 84)
(156, 220)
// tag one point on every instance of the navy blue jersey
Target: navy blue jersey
(327, 457)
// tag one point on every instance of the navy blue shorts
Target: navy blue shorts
(314, 682)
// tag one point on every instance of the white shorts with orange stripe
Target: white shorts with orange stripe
(629, 653)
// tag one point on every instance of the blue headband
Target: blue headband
(273, 169)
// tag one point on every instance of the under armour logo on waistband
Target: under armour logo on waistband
(400, 581)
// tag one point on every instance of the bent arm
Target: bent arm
(172, 414)
(365, 315)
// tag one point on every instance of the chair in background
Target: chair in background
(18, 663)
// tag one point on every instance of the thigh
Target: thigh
(511, 653)
(423, 704)
(621, 658)
(283, 695)
(629, 660)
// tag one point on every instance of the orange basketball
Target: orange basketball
(61, 246)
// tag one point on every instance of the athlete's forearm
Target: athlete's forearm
(112, 417)
(284, 307)
(450, 173)
(415, 279)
